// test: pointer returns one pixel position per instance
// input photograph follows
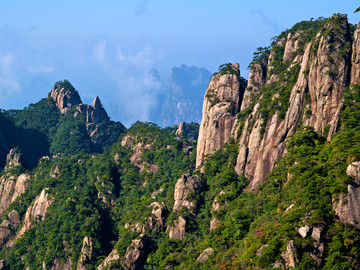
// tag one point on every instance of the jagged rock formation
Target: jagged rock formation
(135, 256)
(355, 57)
(313, 71)
(13, 159)
(160, 213)
(86, 254)
(185, 186)
(222, 102)
(136, 253)
(138, 149)
(11, 187)
(8, 226)
(347, 207)
(65, 96)
(154, 222)
(180, 129)
(289, 257)
(61, 265)
(113, 258)
(94, 117)
(36, 211)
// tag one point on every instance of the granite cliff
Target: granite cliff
(299, 81)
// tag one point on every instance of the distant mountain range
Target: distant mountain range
(183, 96)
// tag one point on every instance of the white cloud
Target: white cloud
(42, 69)
(142, 59)
(99, 51)
(9, 84)
(138, 89)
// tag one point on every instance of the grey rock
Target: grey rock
(204, 256)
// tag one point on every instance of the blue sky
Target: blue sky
(108, 47)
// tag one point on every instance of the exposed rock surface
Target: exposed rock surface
(13, 159)
(304, 231)
(8, 226)
(160, 214)
(185, 186)
(328, 76)
(290, 256)
(177, 231)
(36, 211)
(65, 97)
(257, 77)
(136, 253)
(347, 207)
(355, 57)
(138, 149)
(180, 129)
(96, 112)
(111, 260)
(154, 222)
(204, 256)
(221, 104)
(4, 265)
(11, 187)
(62, 265)
(86, 253)
(323, 75)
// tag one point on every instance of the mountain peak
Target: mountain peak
(65, 96)
(96, 103)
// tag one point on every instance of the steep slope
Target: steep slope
(222, 102)
(299, 82)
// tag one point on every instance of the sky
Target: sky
(109, 48)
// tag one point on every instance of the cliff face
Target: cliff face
(65, 96)
(299, 82)
(222, 102)
(11, 184)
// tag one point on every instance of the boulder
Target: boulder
(185, 186)
(204, 256)
(136, 253)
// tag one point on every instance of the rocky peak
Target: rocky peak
(65, 96)
(96, 112)
(13, 159)
(86, 253)
(319, 67)
(180, 129)
(222, 102)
